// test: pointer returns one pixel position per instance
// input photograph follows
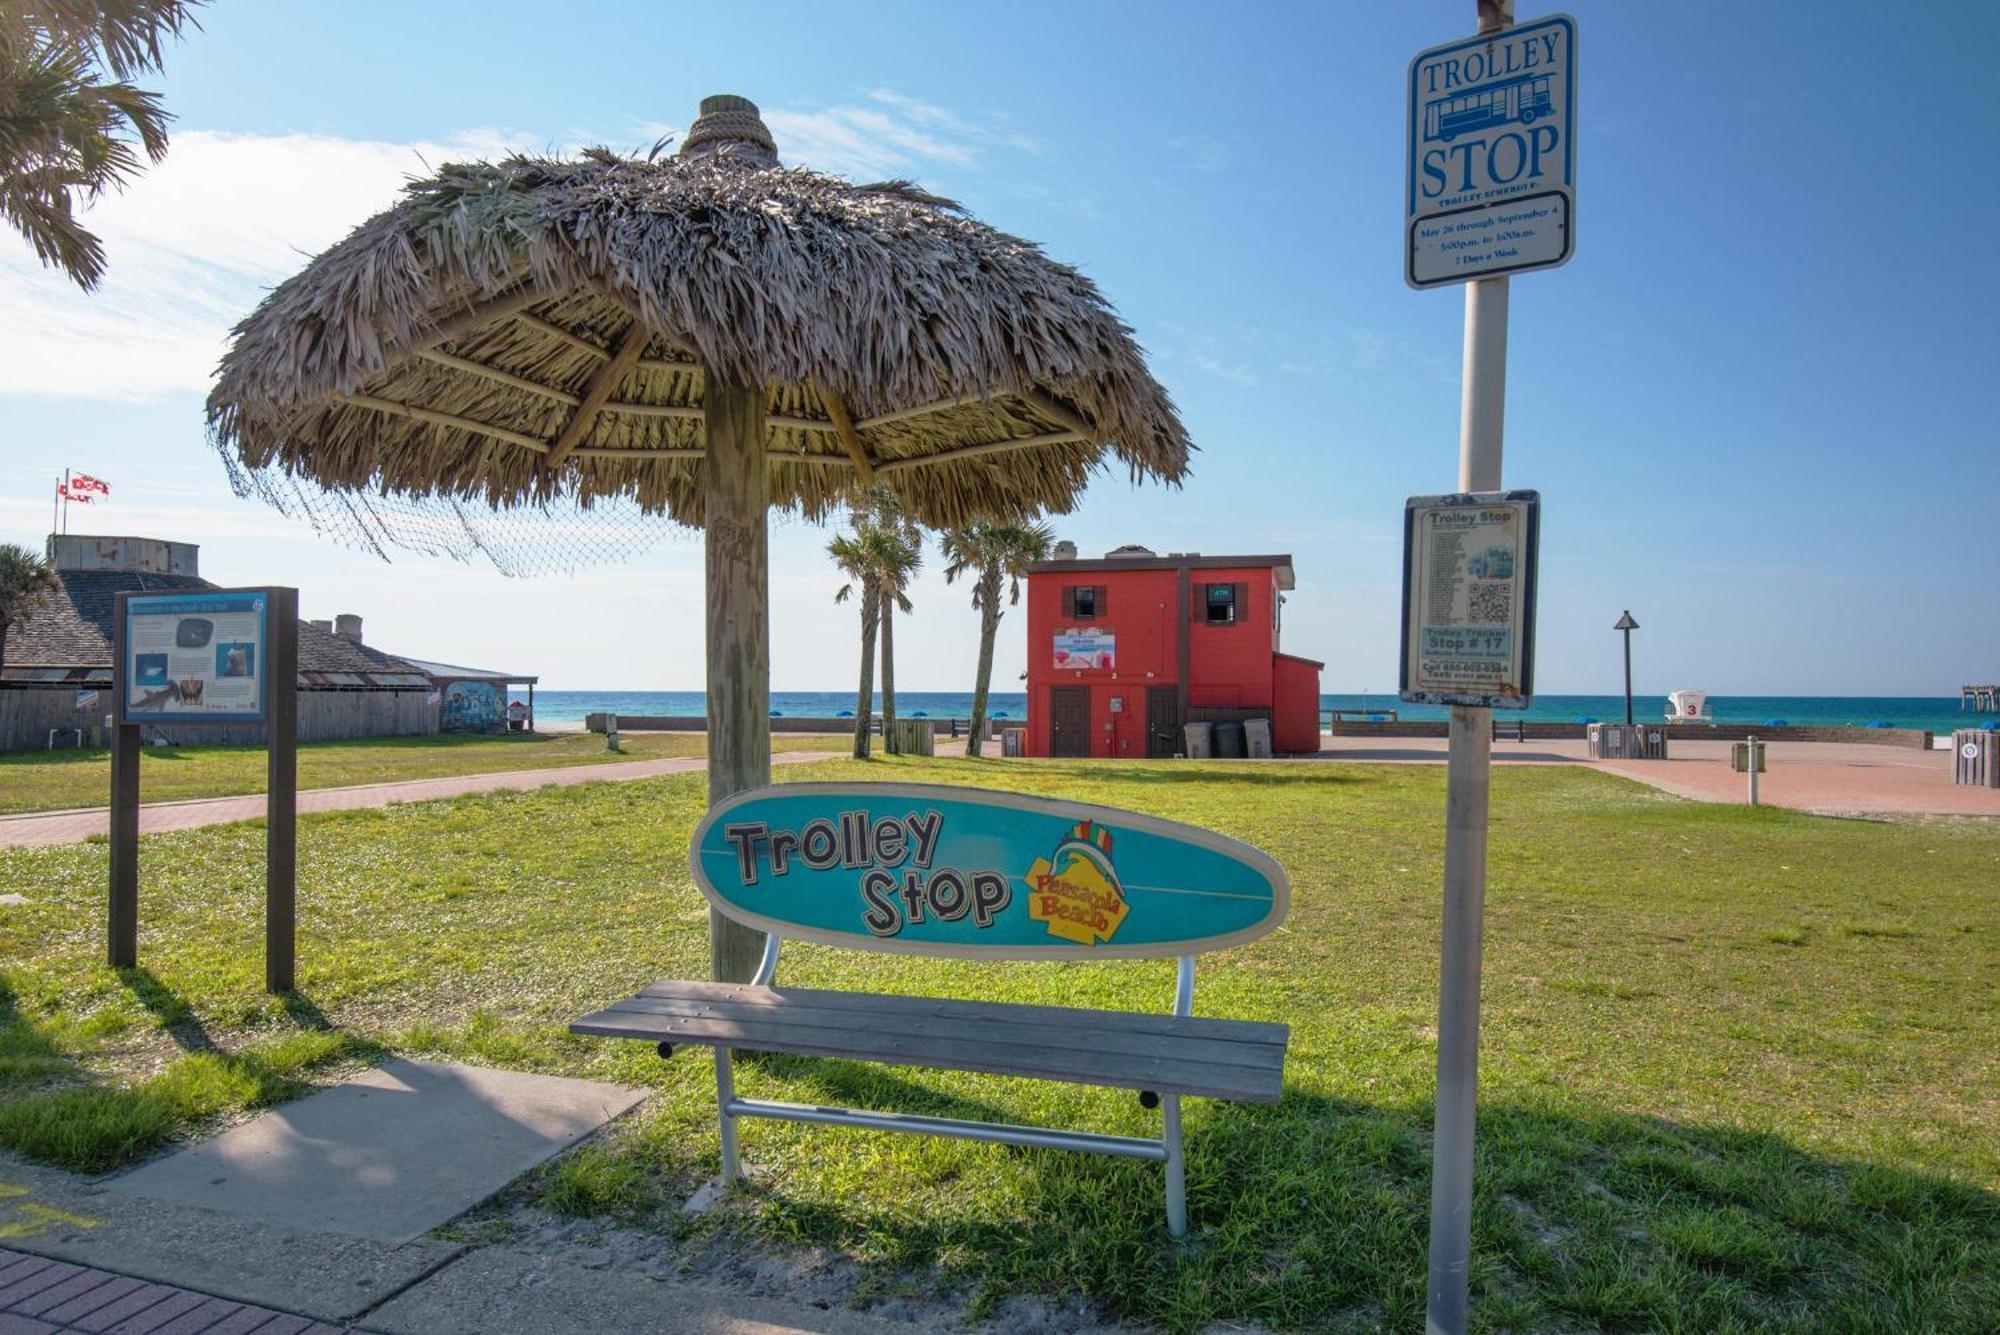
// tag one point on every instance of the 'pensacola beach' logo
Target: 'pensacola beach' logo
(1075, 891)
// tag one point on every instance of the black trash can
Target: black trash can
(1229, 743)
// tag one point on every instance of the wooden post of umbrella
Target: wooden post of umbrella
(737, 502)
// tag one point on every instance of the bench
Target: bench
(1514, 727)
(948, 871)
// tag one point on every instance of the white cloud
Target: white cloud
(885, 134)
(193, 245)
(196, 241)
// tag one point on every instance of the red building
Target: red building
(1125, 650)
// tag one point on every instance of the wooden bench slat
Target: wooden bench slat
(961, 1019)
(1114, 1069)
(875, 1003)
(1066, 1057)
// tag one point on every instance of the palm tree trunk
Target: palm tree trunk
(989, 631)
(864, 704)
(889, 673)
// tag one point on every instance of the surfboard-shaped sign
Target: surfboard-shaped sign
(942, 870)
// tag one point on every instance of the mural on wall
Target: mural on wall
(473, 706)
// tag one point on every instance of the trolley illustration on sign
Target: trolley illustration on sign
(1523, 99)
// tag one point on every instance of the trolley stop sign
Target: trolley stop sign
(1469, 598)
(1492, 154)
(943, 870)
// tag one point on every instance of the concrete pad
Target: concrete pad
(389, 1155)
(47, 1212)
(498, 1289)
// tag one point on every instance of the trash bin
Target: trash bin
(913, 737)
(1257, 738)
(1200, 740)
(1627, 741)
(1229, 744)
(1975, 757)
(1011, 740)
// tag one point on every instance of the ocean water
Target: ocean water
(1936, 714)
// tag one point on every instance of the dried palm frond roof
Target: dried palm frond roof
(539, 330)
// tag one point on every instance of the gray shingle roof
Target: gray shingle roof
(72, 629)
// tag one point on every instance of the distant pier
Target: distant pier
(1980, 699)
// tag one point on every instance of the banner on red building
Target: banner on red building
(1086, 649)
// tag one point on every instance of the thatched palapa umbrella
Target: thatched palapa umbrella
(708, 333)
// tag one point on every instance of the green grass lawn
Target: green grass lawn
(1739, 1065)
(54, 780)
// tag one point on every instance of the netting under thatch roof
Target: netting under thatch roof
(534, 336)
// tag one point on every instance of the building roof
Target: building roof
(1171, 561)
(67, 636)
(452, 672)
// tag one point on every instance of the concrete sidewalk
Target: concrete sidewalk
(34, 829)
(165, 1263)
(1824, 778)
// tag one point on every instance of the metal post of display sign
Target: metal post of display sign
(228, 656)
(1489, 191)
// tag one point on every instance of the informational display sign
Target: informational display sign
(1086, 649)
(944, 870)
(1492, 154)
(195, 656)
(1469, 598)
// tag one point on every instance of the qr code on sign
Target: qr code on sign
(1489, 602)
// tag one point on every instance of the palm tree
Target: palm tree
(25, 579)
(65, 131)
(850, 552)
(879, 558)
(1001, 555)
(901, 556)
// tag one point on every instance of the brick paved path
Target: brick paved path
(38, 1295)
(73, 827)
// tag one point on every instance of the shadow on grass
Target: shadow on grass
(72, 755)
(169, 1009)
(54, 1108)
(1313, 1214)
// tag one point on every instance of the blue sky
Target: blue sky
(1760, 403)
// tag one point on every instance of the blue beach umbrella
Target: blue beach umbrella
(1881, 723)
(1586, 719)
(1776, 723)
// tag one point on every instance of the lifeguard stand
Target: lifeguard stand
(1689, 707)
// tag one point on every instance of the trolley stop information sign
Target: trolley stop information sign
(1492, 154)
(1469, 598)
(195, 657)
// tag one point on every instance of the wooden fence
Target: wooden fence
(28, 712)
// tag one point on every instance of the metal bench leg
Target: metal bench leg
(1170, 1135)
(725, 1095)
(1170, 1104)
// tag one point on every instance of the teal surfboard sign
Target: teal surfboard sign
(935, 869)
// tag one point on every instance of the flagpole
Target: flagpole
(55, 510)
(65, 501)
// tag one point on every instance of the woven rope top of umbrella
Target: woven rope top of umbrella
(536, 329)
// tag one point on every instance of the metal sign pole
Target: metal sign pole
(1481, 419)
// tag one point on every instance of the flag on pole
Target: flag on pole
(83, 489)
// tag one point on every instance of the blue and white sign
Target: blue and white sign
(194, 657)
(936, 869)
(1492, 154)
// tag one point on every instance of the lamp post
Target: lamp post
(1627, 625)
